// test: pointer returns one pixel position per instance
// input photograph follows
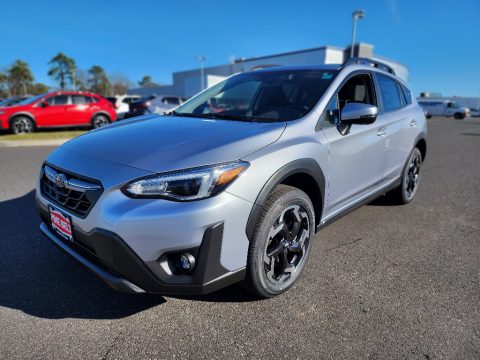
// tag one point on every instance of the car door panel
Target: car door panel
(356, 162)
(398, 120)
(356, 159)
(396, 151)
(51, 115)
(78, 111)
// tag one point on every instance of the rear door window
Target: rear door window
(79, 100)
(390, 94)
(60, 100)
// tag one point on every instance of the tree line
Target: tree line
(18, 79)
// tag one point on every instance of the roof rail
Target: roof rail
(370, 62)
(264, 66)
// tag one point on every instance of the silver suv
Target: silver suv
(233, 185)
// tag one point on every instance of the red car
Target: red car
(58, 109)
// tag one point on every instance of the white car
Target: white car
(121, 103)
(162, 104)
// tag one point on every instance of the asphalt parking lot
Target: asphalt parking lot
(383, 282)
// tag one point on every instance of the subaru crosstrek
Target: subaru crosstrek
(57, 109)
(233, 185)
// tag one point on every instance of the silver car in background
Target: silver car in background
(233, 185)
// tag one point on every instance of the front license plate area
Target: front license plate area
(61, 223)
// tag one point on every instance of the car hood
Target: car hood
(164, 143)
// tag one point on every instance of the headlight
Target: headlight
(187, 185)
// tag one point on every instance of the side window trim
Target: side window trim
(403, 98)
(408, 94)
(380, 108)
(374, 89)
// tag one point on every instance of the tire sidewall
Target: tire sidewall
(18, 118)
(414, 152)
(97, 116)
(260, 238)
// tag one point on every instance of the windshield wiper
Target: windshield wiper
(230, 117)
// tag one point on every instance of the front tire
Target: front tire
(21, 125)
(459, 116)
(281, 243)
(406, 191)
(100, 120)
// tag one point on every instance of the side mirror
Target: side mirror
(358, 113)
(44, 104)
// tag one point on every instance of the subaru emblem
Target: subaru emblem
(60, 180)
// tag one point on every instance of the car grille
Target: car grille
(68, 191)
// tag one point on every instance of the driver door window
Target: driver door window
(358, 89)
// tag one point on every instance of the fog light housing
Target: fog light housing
(186, 262)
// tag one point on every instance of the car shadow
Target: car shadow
(38, 279)
(41, 281)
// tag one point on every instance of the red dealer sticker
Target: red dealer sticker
(61, 223)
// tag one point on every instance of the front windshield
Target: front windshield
(275, 95)
(31, 100)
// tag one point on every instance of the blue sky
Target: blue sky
(438, 40)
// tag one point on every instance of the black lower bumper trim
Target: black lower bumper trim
(113, 281)
(116, 264)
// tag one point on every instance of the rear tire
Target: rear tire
(406, 191)
(281, 243)
(22, 125)
(100, 120)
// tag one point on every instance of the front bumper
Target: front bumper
(112, 260)
(148, 232)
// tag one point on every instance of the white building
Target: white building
(188, 83)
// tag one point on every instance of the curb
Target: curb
(24, 143)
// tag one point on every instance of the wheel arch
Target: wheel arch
(304, 174)
(421, 144)
(101, 112)
(22, 113)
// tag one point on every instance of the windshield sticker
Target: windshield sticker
(327, 76)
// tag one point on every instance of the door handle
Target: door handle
(382, 131)
(413, 122)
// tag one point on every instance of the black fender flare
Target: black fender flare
(306, 166)
(421, 136)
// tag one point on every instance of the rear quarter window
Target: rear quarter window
(407, 93)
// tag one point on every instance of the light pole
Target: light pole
(202, 59)
(357, 14)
